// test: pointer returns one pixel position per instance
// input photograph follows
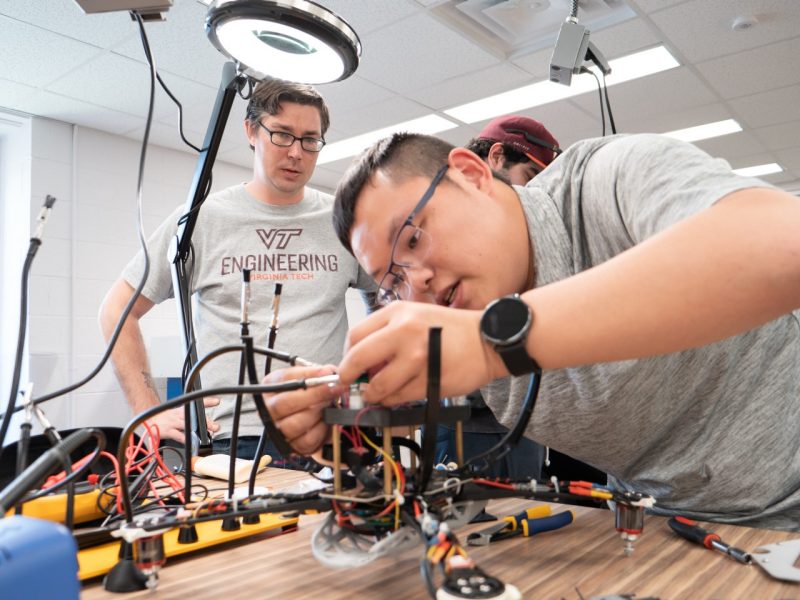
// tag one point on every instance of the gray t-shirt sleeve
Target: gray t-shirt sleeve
(159, 280)
(656, 182)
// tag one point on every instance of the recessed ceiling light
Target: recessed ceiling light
(704, 132)
(759, 170)
(623, 69)
(429, 124)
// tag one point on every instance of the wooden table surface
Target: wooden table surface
(583, 560)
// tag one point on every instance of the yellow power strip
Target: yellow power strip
(54, 508)
(99, 560)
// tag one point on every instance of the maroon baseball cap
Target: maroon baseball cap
(525, 135)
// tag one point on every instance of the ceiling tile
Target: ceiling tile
(649, 6)
(434, 50)
(23, 60)
(779, 137)
(67, 19)
(643, 99)
(625, 38)
(369, 118)
(472, 86)
(769, 108)
(702, 29)
(69, 110)
(753, 71)
(123, 84)
(180, 45)
(366, 16)
(790, 159)
(15, 95)
(732, 146)
(671, 120)
(351, 93)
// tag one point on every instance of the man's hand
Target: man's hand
(298, 414)
(170, 422)
(392, 346)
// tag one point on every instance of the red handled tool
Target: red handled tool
(690, 530)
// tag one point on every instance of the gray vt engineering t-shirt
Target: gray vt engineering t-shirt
(711, 433)
(293, 245)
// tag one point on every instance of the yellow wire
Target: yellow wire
(393, 464)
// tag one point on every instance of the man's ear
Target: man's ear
(471, 167)
(251, 131)
(496, 158)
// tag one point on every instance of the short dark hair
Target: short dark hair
(401, 157)
(269, 95)
(481, 147)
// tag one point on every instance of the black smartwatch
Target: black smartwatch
(505, 324)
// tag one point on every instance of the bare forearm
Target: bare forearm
(722, 272)
(129, 356)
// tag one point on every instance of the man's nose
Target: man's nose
(296, 149)
(419, 281)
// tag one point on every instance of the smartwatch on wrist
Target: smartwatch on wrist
(505, 324)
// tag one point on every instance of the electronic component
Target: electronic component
(569, 52)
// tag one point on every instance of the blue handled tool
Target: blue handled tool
(526, 523)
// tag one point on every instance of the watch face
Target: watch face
(506, 319)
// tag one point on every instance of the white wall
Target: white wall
(15, 165)
(89, 239)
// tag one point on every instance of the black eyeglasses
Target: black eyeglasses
(285, 139)
(411, 246)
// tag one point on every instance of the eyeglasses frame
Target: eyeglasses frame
(409, 222)
(294, 139)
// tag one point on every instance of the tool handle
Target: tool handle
(690, 530)
(533, 526)
(535, 512)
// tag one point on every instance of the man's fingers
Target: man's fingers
(211, 401)
(311, 440)
(212, 426)
(283, 405)
(281, 375)
(297, 425)
(366, 327)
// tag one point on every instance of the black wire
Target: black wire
(23, 327)
(67, 480)
(574, 11)
(600, 94)
(180, 115)
(249, 90)
(140, 230)
(608, 106)
(185, 217)
(285, 386)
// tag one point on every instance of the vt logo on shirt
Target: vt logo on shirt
(277, 237)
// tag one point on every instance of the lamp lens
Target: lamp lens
(284, 43)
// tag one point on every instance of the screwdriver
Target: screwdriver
(690, 530)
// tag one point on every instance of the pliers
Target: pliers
(537, 519)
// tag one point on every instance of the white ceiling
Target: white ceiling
(90, 70)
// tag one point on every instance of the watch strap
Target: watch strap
(517, 360)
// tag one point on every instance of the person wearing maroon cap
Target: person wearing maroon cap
(515, 147)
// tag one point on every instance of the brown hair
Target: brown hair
(270, 94)
(401, 157)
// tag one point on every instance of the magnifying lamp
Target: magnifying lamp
(294, 40)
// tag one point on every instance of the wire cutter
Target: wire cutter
(531, 521)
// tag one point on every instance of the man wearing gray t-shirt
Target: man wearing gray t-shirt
(273, 225)
(659, 296)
